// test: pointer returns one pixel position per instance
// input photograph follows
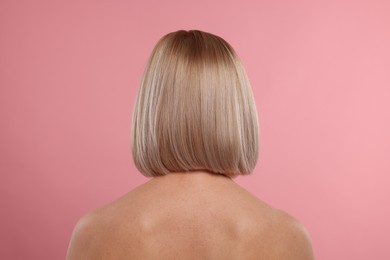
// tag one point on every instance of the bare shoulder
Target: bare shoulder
(287, 237)
(100, 233)
(92, 234)
(271, 233)
(85, 236)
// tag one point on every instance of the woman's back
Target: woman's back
(193, 215)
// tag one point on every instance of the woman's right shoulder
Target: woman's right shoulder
(286, 237)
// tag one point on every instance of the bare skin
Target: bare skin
(194, 215)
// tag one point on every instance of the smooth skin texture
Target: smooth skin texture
(196, 215)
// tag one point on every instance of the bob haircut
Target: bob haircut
(194, 109)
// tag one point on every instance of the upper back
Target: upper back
(180, 220)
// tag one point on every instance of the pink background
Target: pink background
(320, 72)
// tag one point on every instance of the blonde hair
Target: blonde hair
(194, 109)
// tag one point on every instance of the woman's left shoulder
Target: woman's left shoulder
(84, 239)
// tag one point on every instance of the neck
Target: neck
(194, 177)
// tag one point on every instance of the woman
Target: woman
(194, 129)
